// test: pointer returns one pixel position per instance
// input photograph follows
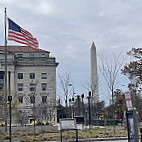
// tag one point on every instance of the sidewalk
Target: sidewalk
(94, 139)
(80, 140)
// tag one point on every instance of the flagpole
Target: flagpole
(5, 106)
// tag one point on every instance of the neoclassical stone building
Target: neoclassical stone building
(31, 80)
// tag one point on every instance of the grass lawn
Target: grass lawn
(24, 136)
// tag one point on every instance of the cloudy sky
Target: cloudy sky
(67, 29)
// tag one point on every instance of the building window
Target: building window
(32, 75)
(32, 87)
(31, 56)
(42, 55)
(1, 84)
(43, 75)
(0, 98)
(21, 99)
(44, 86)
(20, 75)
(32, 99)
(1, 76)
(20, 86)
(19, 55)
(44, 99)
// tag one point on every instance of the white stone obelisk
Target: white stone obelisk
(94, 75)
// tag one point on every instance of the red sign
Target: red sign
(128, 100)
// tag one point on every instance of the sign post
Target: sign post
(128, 100)
(68, 124)
(132, 122)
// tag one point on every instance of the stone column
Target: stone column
(12, 83)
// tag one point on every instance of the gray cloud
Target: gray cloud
(68, 28)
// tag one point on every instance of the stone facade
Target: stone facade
(94, 75)
(32, 77)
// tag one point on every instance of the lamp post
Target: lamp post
(73, 107)
(89, 109)
(9, 101)
(70, 84)
(82, 97)
(70, 107)
(67, 113)
(86, 123)
(72, 100)
(78, 103)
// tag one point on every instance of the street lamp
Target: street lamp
(89, 110)
(78, 103)
(82, 96)
(9, 101)
(70, 84)
(66, 101)
(70, 106)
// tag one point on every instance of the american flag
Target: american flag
(18, 34)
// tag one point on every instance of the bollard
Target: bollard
(141, 133)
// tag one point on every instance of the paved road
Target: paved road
(81, 141)
(97, 141)
(114, 141)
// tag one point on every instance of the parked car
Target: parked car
(2, 123)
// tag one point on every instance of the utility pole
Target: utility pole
(5, 106)
(34, 113)
(73, 108)
(9, 100)
(78, 102)
(70, 107)
(82, 96)
(89, 109)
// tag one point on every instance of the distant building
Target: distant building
(94, 75)
(32, 77)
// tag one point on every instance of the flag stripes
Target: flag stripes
(16, 37)
(18, 34)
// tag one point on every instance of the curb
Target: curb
(103, 139)
(94, 139)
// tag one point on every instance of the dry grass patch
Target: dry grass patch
(55, 135)
(4, 136)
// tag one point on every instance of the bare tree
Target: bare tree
(110, 71)
(64, 80)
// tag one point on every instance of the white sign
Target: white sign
(68, 124)
(129, 103)
(128, 100)
(127, 96)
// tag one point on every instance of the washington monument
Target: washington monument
(94, 76)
